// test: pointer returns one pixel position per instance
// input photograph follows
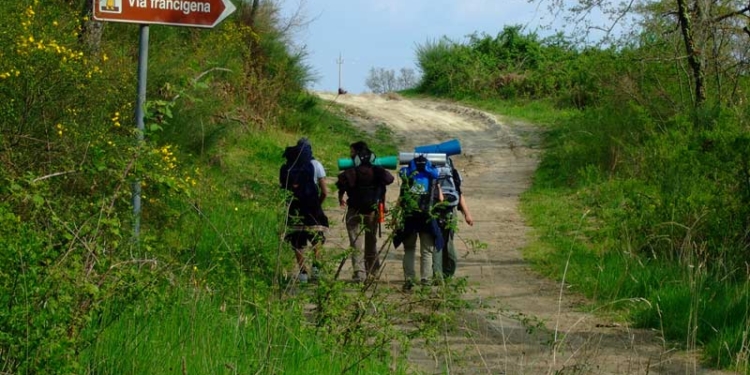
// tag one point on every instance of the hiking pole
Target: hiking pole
(381, 217)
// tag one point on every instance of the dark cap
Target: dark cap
(304, 142)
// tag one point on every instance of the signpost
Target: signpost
(194, 13)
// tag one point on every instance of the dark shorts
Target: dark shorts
(299, 239)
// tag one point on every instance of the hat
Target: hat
(304, 142)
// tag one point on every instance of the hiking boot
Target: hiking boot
(359, 277)
(408, 285)
(302, 278)
(425, 282)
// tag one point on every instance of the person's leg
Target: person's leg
(317, 240)
(410, 253)
(426, 249)
(449, 257)
(437, 259)
(298, 240)
(372, 263)
(355, 229)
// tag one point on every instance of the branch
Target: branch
(732, 14)
(52, 175)
(196, 79)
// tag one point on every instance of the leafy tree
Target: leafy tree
(713, 34)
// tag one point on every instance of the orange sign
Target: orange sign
(196, 13)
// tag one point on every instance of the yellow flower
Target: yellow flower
(54, 23)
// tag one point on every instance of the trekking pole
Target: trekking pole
(381, 217)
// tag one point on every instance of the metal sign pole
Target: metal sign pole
(140, 108)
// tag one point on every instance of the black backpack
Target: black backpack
(297, 175)
(367, 191)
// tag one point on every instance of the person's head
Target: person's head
(360, 153)
(420, 162)
(358, 148)
(304, 142)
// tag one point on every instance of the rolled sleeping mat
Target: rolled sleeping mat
(387, 162)
(435, 159)
(450, 148)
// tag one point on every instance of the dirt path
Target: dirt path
(522, 324)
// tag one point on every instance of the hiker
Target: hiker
(304, 177)
(364, 186)
(444, 261)
(419, 193)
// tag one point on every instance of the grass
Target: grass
(575, 219)
(197, 334)
(229, 318)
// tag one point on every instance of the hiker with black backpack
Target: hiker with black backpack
(419, 194)
(364, 186)
(449, 179)
(304, 177)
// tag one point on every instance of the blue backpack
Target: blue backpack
(419, 179)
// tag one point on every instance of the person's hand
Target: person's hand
(342, 203)
(469, 220)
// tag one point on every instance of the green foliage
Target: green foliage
(196, 333)
(663, 195)
(515, 65)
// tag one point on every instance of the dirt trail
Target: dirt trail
(523, 324)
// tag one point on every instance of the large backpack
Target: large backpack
(448, 185)
(297, 175)
(419, 188)
(367, 190)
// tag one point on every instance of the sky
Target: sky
(385, 33)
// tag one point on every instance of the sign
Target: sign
(195, 13)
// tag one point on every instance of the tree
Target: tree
(90, 33)
(713, 33)
(381, 80)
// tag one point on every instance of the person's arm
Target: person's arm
(440, 196)
(342, 202)
(465, 209)
(323, 189)
(341, 184)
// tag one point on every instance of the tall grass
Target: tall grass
(198, 334)
(649, 232)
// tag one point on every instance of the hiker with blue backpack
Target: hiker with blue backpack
(444, 262)
(419, 194)
(304, 178)
(365, 187)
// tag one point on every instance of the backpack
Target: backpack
(297, 175)
(448, 185)
(367, 191)
(419, 184)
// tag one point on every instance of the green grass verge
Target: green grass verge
(575, 212)
(197, 334)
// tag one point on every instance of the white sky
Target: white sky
(385, 33)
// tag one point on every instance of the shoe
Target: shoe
(302, 278)
(315, 273)
(425, 282)
(408, 285)
(359, 277)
